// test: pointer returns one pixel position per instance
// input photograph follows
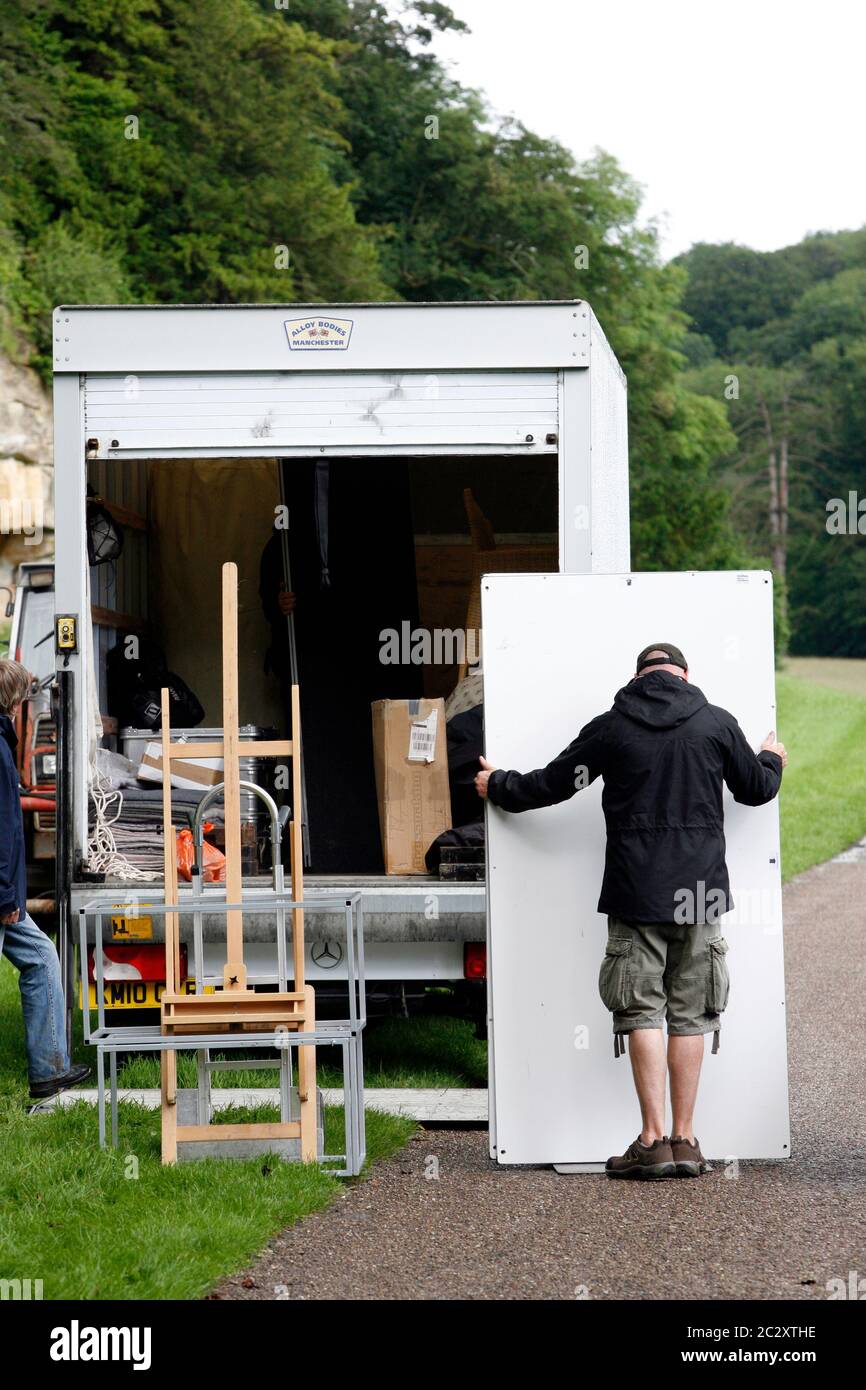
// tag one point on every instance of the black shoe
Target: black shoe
(43, 1090)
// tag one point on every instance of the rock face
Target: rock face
(26, 469)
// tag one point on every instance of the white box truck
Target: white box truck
(185, 420)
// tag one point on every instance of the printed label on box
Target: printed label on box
(422, 738)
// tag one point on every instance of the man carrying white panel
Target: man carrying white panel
(663, 753)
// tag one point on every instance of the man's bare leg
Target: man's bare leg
(646, 1049)
(685, 1056)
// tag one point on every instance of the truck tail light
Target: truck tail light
(475, 960)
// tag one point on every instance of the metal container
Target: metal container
(252, 769)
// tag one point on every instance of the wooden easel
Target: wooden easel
(235, 1008)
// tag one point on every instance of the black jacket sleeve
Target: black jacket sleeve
(753, 778)
(271, 580)
(571, 770)
(10, 832)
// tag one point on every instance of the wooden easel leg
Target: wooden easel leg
(169, 1106)
(168, 1060)
(235, 973)
(307, 1082)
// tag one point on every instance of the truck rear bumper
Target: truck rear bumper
(415, 927)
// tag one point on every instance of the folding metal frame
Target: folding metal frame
(344, 1033)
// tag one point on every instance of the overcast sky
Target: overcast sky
(743, 121)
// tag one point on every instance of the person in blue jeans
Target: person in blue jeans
(21, 941)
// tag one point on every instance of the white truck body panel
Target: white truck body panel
(245, 412)
(252, 381)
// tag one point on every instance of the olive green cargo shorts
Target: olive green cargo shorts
(660, 971)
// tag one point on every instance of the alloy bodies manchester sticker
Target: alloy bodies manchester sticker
(318, 334)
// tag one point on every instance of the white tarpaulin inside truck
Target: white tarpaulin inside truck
(203, 512)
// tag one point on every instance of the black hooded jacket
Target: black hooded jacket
(13, 867)
(663, 752)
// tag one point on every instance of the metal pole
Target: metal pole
(293, 666)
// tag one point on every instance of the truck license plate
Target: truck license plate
(135, 994)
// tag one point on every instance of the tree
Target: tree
(187, 151)
(469, 206)
(799, 418)
(322, 152)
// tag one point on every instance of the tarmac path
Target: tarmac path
(777, 1231)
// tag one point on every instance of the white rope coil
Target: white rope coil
(103, 856)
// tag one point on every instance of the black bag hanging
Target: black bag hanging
(183, 706)
(104, 535)
(137, 671)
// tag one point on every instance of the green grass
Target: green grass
(823, 798)
(99, 1224)
(840, 672)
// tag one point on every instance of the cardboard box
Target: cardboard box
(410, 752)
(192, 774)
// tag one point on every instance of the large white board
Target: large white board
(557, 647)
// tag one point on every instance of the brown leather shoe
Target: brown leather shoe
(643, 1161)
(688, 1158)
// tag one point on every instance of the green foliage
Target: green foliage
(733, 290)
(828, 582)
(790, 326)
(469, 206)
(76, 264)
(158, 151)
(729, 287)
(165, 150)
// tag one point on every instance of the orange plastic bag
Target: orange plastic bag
(214, 862)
